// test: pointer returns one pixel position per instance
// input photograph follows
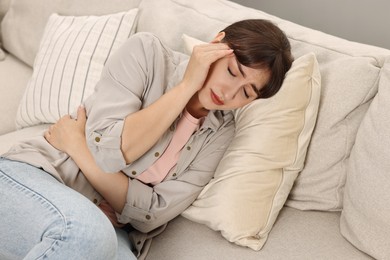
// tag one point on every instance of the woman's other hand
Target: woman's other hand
(110, 213)
(68, 134)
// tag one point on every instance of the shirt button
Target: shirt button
(174, 175)
(97, 139)
(188, 148)
(156, 154)
(148, 217)
(134, 172)
(95, 201)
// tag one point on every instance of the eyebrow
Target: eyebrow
(257, 91)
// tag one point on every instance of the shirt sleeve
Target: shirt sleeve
(149, 207)
(124, 82)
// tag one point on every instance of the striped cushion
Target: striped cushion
(68, 65)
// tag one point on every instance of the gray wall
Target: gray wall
(365, 21)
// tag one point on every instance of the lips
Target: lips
(216, 100)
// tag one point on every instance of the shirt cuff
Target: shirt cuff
(106, 148)
(138, 203)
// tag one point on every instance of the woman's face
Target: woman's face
(230, 85)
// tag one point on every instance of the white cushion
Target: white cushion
(366, 214)
(255, 176)
(68, 65)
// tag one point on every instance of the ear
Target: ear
(218, 37)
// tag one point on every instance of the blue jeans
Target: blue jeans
(43, 219)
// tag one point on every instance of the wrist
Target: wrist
(77, 145)
(186, 90)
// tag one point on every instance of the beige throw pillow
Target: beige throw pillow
(68, 65)
(255, 175)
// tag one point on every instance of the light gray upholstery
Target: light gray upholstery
(14, 75)
(296, 235)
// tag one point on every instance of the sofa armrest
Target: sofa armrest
(14, 76)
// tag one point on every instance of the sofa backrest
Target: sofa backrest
(24, 23)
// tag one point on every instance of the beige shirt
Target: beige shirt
(140, 72)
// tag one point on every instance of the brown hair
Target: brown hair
(260, 44)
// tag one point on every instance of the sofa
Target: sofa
(331, 198)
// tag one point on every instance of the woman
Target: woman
(157, 126)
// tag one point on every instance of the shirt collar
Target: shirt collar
(216, 119)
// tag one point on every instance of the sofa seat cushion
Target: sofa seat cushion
(296, 235)
(7, 140)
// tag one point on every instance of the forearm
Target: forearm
(112, 186)
(150, 123)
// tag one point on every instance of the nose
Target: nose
(230, 91)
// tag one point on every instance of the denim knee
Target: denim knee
(95, 236)
(44, 219)
(84, 234)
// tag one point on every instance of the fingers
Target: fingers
(48, 131)
(47, 135)
(202, 57)
(210, 53)
(81, 115)
(213, 47)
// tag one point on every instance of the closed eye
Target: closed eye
(245, 93)
(250, 91)
(231, 73)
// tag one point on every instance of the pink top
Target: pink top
(161, 167)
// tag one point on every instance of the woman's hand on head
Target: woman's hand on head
(68, 134)
(200, 63)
